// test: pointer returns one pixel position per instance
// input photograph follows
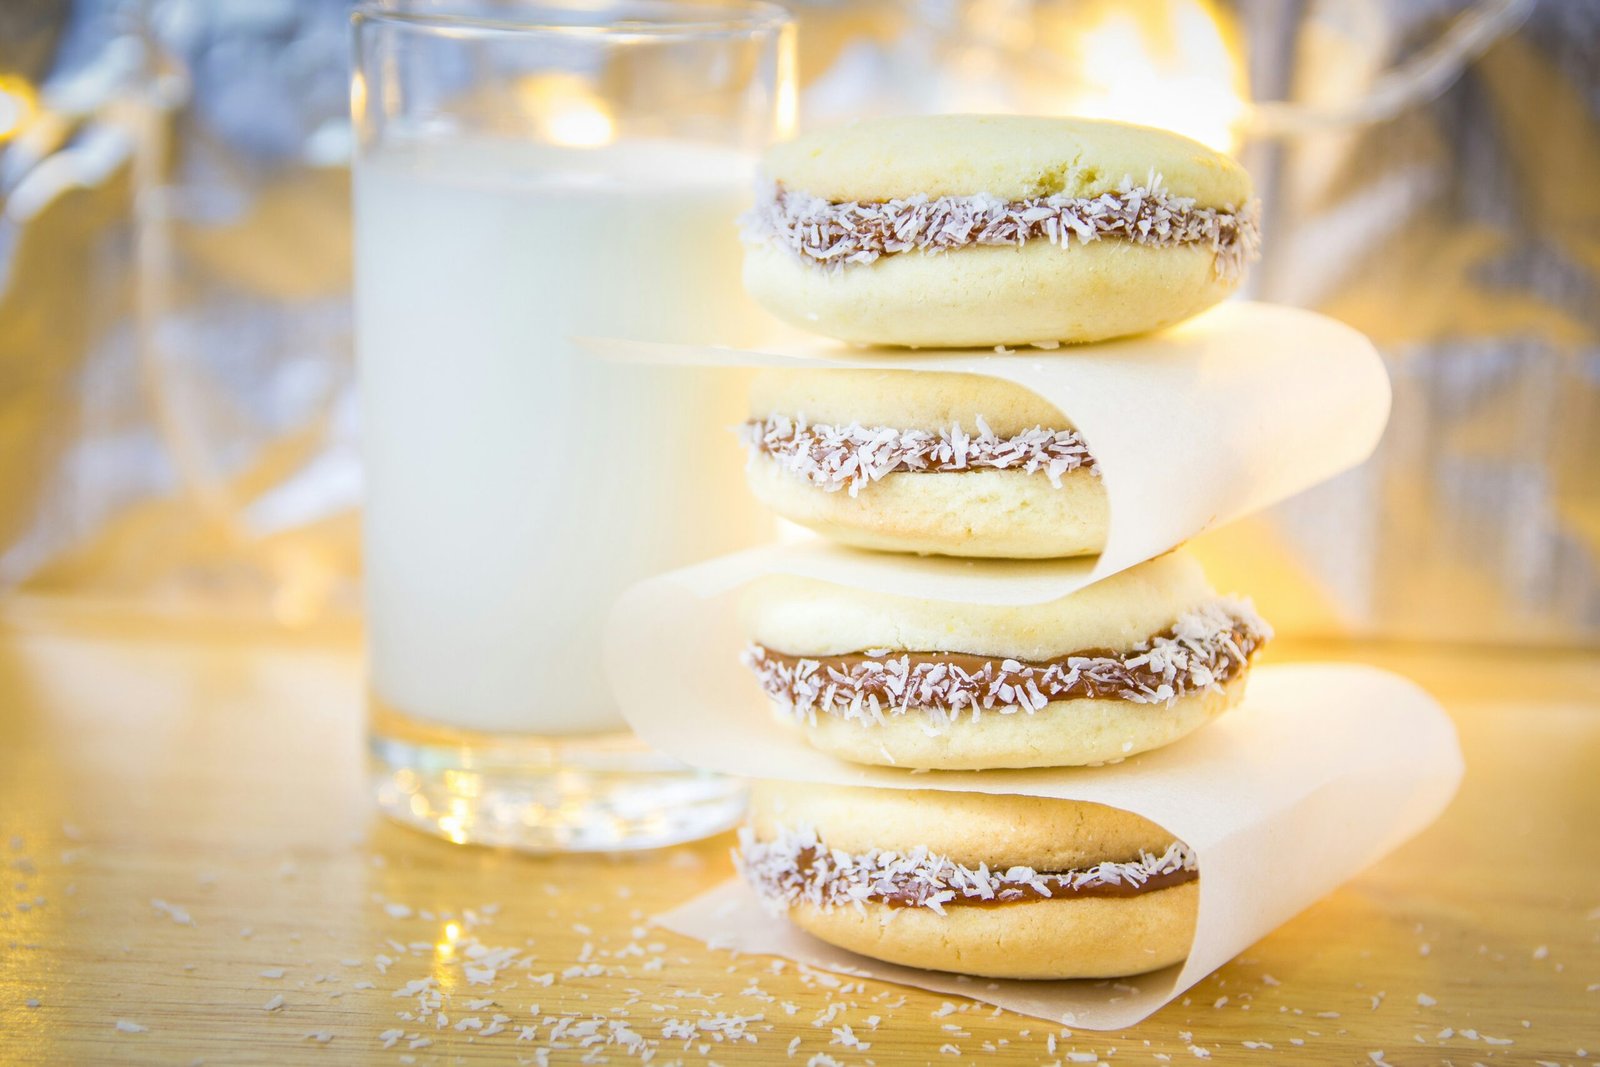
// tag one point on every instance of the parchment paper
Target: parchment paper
(1223, 415)
(1320, 772)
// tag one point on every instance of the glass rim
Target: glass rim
(722, 18)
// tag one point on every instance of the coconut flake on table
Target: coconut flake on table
(177, 914)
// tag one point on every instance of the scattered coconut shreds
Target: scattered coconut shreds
(127, 1026)
(838, 235)
(415, 987)
(274, 1004)
(842, 1035)
(796, 867)
(1206, 647)
(173, 912)
(853, 456)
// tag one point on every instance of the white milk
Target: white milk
(515, 485)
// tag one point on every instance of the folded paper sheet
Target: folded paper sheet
(1223, 415)
(1320, 772)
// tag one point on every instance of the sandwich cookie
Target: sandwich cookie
(979, 230)
(996, 885)
(1128, 664)
(909, 461)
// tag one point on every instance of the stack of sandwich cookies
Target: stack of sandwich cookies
(968, 231)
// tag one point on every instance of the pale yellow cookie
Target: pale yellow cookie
(978, 230)
(1017, 510)
(889, 838)
(1123, 666)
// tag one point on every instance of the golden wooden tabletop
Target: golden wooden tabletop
(192, 872)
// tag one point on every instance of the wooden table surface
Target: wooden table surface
(193, 873)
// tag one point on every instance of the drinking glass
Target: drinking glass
(527, 173)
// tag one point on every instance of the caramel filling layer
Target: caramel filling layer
(795, 867)
(1204, 649)
(852, 456)
(829, 234)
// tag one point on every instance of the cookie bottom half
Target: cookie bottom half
(991, 295)
(1063, 733)
(994, 514)
(1094, 937)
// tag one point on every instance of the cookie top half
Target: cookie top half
(806, 617)
(999, 829)
(1011, 157)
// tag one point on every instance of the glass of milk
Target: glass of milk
(527, 173)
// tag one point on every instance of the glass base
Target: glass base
(584, 794)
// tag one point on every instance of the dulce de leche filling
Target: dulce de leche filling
(834, 457)
(795, 867)
(1204, 649)
(828, 234)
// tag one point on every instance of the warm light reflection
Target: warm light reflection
(19, 102)
(358, 96)
(1169, 64)
(452, 934)
(787, 105)
(565, 110)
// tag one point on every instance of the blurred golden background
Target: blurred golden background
(177, 425)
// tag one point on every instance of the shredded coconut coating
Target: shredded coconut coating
(795, 867)
(853, 456)
(1204, 648)
(837, 235)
